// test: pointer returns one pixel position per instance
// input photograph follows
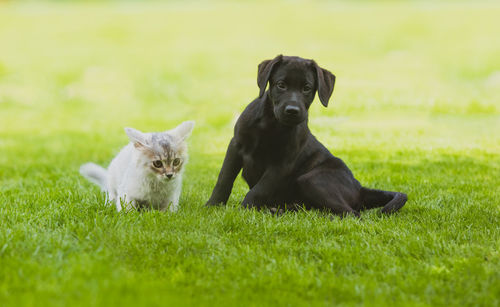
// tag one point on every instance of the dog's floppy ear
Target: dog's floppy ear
(264, 73)
(326, 81)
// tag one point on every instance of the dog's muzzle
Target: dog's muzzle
(292, 111)
(290, 115)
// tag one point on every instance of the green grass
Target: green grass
(415, 109)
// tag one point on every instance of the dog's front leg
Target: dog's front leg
(230, 168)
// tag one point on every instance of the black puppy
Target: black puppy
(283, 163)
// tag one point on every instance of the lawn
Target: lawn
(416, 109)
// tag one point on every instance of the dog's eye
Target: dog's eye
(306, 89)
(281, 85)
(176, 162)
(157, 163)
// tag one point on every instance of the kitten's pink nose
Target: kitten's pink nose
(169, 176)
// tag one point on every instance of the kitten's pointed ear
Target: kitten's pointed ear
(326, 81)
(183, 131)
(136, 137)
(264, 73)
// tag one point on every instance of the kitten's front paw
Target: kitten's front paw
(173, 208)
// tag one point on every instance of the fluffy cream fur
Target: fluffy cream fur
(132, 180)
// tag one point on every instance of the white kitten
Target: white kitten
(147, 172)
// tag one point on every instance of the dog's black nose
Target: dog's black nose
(292, 110)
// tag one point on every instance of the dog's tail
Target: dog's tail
(390, 201)
(96, 174)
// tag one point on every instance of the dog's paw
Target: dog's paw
(395, 204)
(276, 211)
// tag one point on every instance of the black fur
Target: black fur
(283, 163)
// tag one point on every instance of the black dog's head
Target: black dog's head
(293, 82)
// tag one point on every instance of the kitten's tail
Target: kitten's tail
(95, 174)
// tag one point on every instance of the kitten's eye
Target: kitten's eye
(306, 88)
(157, 163)
(176, 162)
(281, 85)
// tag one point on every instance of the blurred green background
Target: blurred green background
(71, 66)
(416, 108)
